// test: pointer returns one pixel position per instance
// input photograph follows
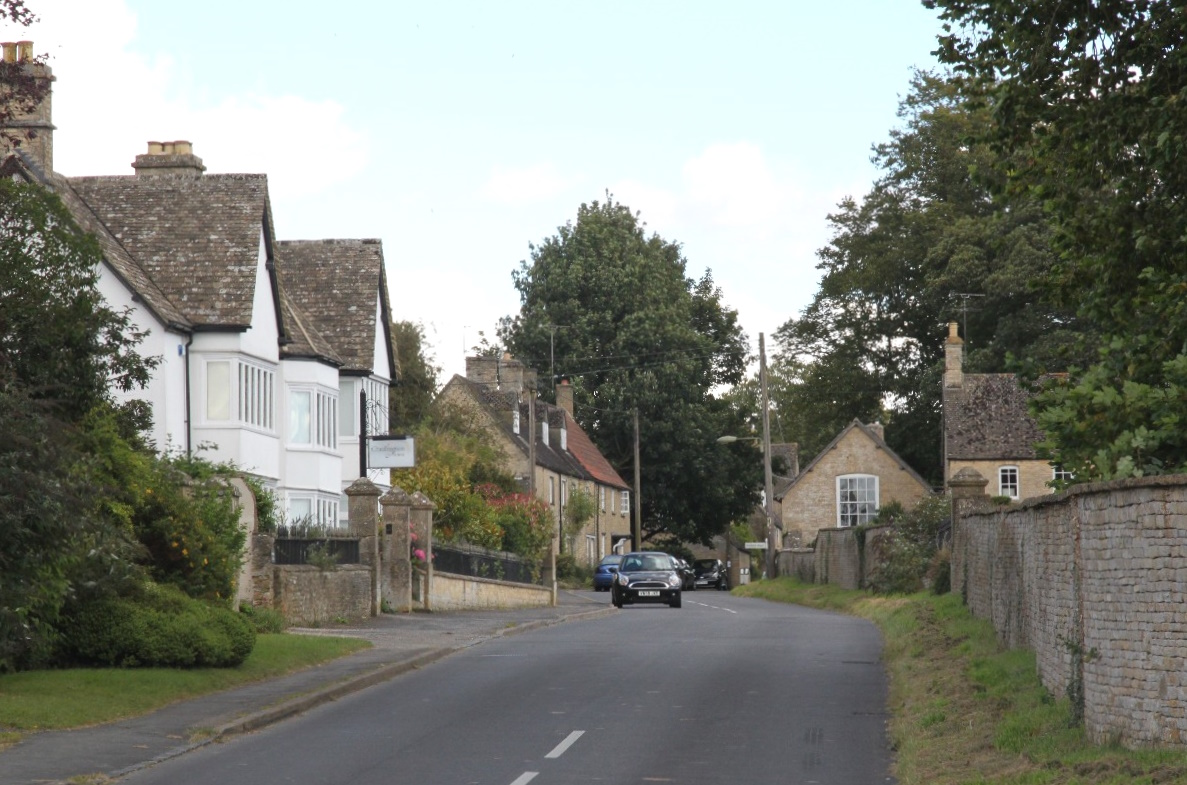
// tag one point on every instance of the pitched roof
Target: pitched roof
(781, 490)
(197, 238)
(590, 457)
(127, 269)
(337, 283)
(987, 419)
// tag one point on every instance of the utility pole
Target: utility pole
(768, 484)
(637, 529)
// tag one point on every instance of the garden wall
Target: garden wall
(1093, 580)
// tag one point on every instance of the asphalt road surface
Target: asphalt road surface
(724, 690)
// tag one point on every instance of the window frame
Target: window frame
(860, 513)
(1002, 484)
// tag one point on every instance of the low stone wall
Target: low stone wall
(307, 596)
(843, 557)
(460, 592)
(1094, 581)
(799, 563)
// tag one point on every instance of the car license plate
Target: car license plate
(649, 593)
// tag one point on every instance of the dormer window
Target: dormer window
(544, 433)
(515, 421)
(564, 438)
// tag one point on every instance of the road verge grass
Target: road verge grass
(76, 697)
(965, 711)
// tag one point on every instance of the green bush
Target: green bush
(566, 566)
(263, 620)
(158, 627)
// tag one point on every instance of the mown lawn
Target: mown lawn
(55, 699)
(967, 712)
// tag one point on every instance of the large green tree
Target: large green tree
(927, 245)
(412, 396)
(1089, 106)
(613, 309)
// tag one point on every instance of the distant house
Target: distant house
(263, 345)
(496, 394)
(987, 427)
(846, 484)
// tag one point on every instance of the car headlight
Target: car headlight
(622, 580)
(673, 580)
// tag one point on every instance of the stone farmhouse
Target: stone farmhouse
(495, 395)
(846, 484)
(988, 428)
(264, 345)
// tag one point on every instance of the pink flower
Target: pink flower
(419, 554)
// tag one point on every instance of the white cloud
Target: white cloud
(519, 185)
(109, 101)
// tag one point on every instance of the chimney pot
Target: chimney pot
(156, 148)
(26, 50)
(9, 51)
(182, 147)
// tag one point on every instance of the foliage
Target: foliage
(1087, 105)
(58, 338)
(24, 91)
(412, 395)
(904, 554)
(927, 244)
(320, 556)
(635, 335)
(158, 627)
(526, 522)
(265, 621)
(578, 510)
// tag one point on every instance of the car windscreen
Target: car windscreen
(705, 565)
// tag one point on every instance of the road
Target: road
(724, 690)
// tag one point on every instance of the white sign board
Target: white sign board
(391, 452)
(756, 546)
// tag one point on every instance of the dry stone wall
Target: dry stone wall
(1094, 581)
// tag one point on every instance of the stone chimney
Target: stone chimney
(483, 370)
(169, 159)
(31, 125)
(564, 395)
(511, 373)
(953, 358)
(876, 427)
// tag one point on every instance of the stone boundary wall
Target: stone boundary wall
(308, 597)
(843, 557)
(463, 592)
(1093, 580)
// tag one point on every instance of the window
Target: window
(601, 498)
(313, 418)
(624, 502)
(1007, 481)
(1060, 474)
(313, 508)
(515, 421)
(552, 490)
(300, 403)
(248, 399)
(564, 438)
(544, 433)
(857, 499)
(348, 407)
(218, 390)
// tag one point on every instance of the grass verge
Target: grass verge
(964, 710)
(57, 699)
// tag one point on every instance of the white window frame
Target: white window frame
(322, 509)
(240, 392)
(1004, 485)
(552, 490)
(348, 408)
(854, 503)
(602, 497)
(322, 416)
(624, 502)
(1060, 474)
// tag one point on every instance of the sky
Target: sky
(461, 133)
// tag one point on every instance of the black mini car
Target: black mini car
(646, 576)
(711, 572)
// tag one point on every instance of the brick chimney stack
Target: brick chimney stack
(169, 159)
(953, 357)
(564, 395)
(30, 128)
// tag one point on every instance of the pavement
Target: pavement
(400, 643)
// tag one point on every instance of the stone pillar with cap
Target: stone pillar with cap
(363, 506)
(967, 491)
(421, 518)
(396, 573)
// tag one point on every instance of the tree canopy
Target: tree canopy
(928, 244)
(1087, 106)
(613, 308)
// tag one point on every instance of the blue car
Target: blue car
(605, 572)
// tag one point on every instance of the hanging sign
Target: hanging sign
(391, 452)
